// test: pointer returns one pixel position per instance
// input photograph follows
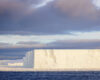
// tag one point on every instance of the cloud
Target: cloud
(78, 8)
(16, 9)
(13, 9)
(3, 45)
(43, 39)
(75, 44)
(31, 42)
(57, 17)
(13, 53)
(17, 51)
(29, 45)
(22, 45)
(96, 3)
(43, 3)
(11, 63)
(74, 41)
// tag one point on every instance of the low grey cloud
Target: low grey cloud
(4, 45)
(75, 44)
(30, 42)
(13, 53)
(29, 45)
(63, 44)
(22, 45)
(1, 44)
(19, 50)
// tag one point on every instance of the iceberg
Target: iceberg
(63, 59)
(59, 60)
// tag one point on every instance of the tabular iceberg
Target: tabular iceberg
(61, 59)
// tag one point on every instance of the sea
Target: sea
(92, 75)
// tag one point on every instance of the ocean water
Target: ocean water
(49, 75)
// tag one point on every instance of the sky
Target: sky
(58, 24)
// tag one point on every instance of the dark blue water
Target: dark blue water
(49, 75)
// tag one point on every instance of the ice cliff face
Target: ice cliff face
(66, 59)
(28, 60)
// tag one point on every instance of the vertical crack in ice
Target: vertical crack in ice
(53, 56)
(50, 53)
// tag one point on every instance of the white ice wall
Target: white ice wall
(60, 59)
(66, 59)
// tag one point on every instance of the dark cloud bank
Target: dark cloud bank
(60, 16)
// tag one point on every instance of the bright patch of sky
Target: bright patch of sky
(42, 4)
(14, 39)
(97, 3)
